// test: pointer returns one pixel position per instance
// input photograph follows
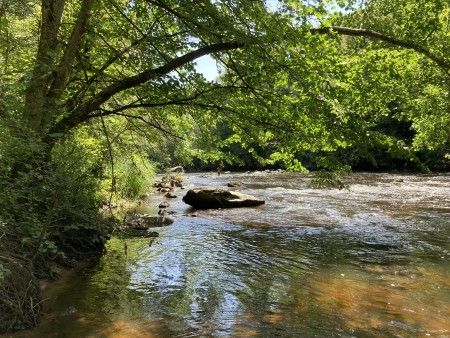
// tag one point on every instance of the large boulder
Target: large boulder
(213, 198)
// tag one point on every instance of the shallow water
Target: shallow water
(372, 261)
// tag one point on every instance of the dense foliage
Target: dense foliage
(93, 91)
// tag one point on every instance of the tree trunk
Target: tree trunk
(35, 112)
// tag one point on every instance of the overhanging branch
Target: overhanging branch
(142, 104)
(441, 62)
(80, 115)
(137, 117)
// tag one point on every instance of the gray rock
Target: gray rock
(165, 190)
(139, 221)
(177, 169)
(143, 197)
(213, 198)
(164, 205)
(234, 184)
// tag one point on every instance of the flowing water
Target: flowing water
(372, 261)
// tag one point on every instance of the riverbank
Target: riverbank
(23, 287)
(25, 270)
(50, 292)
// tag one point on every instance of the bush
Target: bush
(133, 177)
(48, 212)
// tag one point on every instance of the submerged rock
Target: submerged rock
(164, 205)
(139, 221)
(213, 198)
(234, 184)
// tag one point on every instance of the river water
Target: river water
(371, 261)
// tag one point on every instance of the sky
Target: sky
(208, 67)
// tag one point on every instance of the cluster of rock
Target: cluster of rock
(139, 221)
(168, 186)
(169, 182)
(138, 224)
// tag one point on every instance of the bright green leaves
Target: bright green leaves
(286, 90)
(330, 174)
(287, 159)
(18, 31)
(134, 176)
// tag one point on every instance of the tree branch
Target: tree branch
(183, 18)
(80, 115)
(152, 124)
(111, 162)
(71, 49)
(175, 102)
(35, 98)
(235, 112)
(441, 62)
(208, 106)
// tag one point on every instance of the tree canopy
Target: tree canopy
(295, 75)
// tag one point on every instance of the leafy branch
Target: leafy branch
(441, 62)
(81, 114)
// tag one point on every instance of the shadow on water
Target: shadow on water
(369, 262)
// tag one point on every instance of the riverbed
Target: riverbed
(370, 261)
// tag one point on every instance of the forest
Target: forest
(97, 96)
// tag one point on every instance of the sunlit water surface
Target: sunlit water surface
(372, 261)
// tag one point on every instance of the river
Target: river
(371, 261)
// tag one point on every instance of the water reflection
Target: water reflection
(369, 262)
